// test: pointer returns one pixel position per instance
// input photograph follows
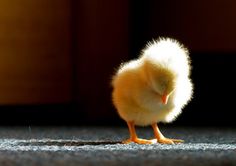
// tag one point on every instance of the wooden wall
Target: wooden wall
(55, 52)
(35, 61)
(65, 51)
(204, 25)
(102, 44)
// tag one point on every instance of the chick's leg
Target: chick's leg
(133, 136)
(161, 139)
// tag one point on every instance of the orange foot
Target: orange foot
(139, 141)
(169, 141)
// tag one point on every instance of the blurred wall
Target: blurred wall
(207, 26)
(102, 39)
(65, 51)
(35, 61)
(203, 25)
(57, 58)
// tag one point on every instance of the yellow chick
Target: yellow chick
(153, 88)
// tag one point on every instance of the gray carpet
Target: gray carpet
(101, 146)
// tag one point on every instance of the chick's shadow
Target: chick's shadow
(65, 143)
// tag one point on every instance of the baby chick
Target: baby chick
(153, 88)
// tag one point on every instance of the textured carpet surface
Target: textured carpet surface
(101, 146)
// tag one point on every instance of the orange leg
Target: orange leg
(161, 139)
(133, 136)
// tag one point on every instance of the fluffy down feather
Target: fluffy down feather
(162, 69)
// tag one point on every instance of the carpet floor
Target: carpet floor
(72, 146)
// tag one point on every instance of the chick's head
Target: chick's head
(161, 80)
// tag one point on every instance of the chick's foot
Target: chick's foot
(169, 141)
(139, 141)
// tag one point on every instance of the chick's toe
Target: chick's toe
(139, 141)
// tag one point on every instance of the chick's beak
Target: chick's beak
(165, 98)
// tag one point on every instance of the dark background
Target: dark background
(57, 57)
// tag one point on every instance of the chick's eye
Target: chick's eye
(163, 83)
